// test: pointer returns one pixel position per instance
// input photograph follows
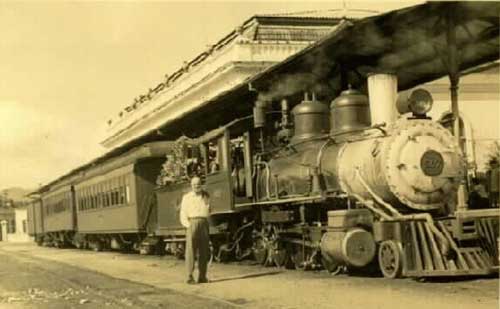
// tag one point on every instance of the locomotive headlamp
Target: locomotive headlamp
(420, 102)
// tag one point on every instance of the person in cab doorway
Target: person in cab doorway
(195, 209)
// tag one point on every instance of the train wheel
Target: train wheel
(179, 251)
(299, 257)
(98, 246)
(280, 257)
(260, 251)
(390, 259)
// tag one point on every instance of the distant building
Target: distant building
(19, 233)
(7, 222)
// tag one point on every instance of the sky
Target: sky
(67, 67)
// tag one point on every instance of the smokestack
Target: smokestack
(383, 91)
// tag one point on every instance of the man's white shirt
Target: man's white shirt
(193, 205)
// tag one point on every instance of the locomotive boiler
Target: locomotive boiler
(411, 164)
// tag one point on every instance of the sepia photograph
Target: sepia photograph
(334, 154)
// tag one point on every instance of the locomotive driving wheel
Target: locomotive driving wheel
(279, 255)
(390, 259)
(299, 257)
(260, 250)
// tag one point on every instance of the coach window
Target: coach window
(116, 192)
(238, 166)
(84, 198)
(99, 195)
(108, 193)
(112, 194)
(88, 198)
(105, 200)
(104, 191)
(85, 193)
(127, 191)
(81, 199)
(213, 157)
(93, 197)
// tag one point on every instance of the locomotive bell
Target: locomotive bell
(310, 119)
(350, 111)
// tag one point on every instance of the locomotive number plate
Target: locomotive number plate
(432, 163)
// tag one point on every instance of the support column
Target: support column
(454, 76)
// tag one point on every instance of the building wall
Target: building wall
(20, 232)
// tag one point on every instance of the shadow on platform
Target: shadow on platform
(254, 275)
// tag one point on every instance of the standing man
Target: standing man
(195, 209)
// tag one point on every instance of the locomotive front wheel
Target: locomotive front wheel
(390, 259)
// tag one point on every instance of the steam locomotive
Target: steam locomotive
(347, 187)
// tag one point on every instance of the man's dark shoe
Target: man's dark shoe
(203, 280)
(190, 281)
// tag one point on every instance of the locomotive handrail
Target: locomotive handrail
(285, 200)
(368, 205)
(378, 126)
(375, 196)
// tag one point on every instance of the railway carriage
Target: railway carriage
(116, 206)
(35, 219)
(59, 215)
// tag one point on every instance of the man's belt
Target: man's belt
(197, 218)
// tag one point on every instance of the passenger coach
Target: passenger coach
(116, 205)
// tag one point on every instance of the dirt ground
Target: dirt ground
(37, 277)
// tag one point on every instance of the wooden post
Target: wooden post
(454, 76)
